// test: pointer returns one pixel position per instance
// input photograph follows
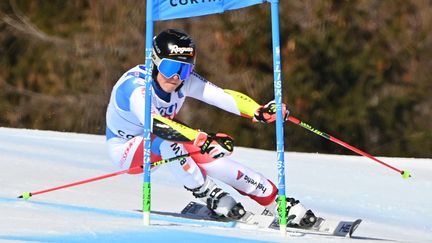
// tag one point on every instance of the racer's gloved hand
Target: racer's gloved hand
(216, 145)
(267, 113)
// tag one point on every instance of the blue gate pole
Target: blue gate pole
(279, 119)
(147, 114)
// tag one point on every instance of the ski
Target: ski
(341, 228)
(326, 226)
(198, 214)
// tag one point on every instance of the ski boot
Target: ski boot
(218, 201)
(297, 215)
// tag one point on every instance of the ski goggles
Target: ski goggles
(168, 68)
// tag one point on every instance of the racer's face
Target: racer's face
(168, 85)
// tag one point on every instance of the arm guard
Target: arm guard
(170, 130)
(246, 105)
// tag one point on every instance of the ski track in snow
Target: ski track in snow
(333, 186)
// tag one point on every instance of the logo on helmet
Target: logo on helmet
(176, 50)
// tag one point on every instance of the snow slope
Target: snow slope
(349, 187)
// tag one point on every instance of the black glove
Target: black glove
(216, 145)
(267, 113)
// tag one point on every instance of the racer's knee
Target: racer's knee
(260, 196)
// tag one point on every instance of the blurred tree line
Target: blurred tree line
(359, 70)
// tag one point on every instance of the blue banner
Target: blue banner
(175, 9)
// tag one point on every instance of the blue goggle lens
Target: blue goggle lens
(169, 68)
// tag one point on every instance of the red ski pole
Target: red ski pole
(405, 174)
(27, 195)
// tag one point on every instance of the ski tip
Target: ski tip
(354, 226)
(405, 174)
(25, 195)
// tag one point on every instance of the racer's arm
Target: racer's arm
(233, 101)
(201, 89)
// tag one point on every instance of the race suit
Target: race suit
(124, 133)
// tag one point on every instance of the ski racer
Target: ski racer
(174, 79)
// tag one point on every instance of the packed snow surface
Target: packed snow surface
(393, 209)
